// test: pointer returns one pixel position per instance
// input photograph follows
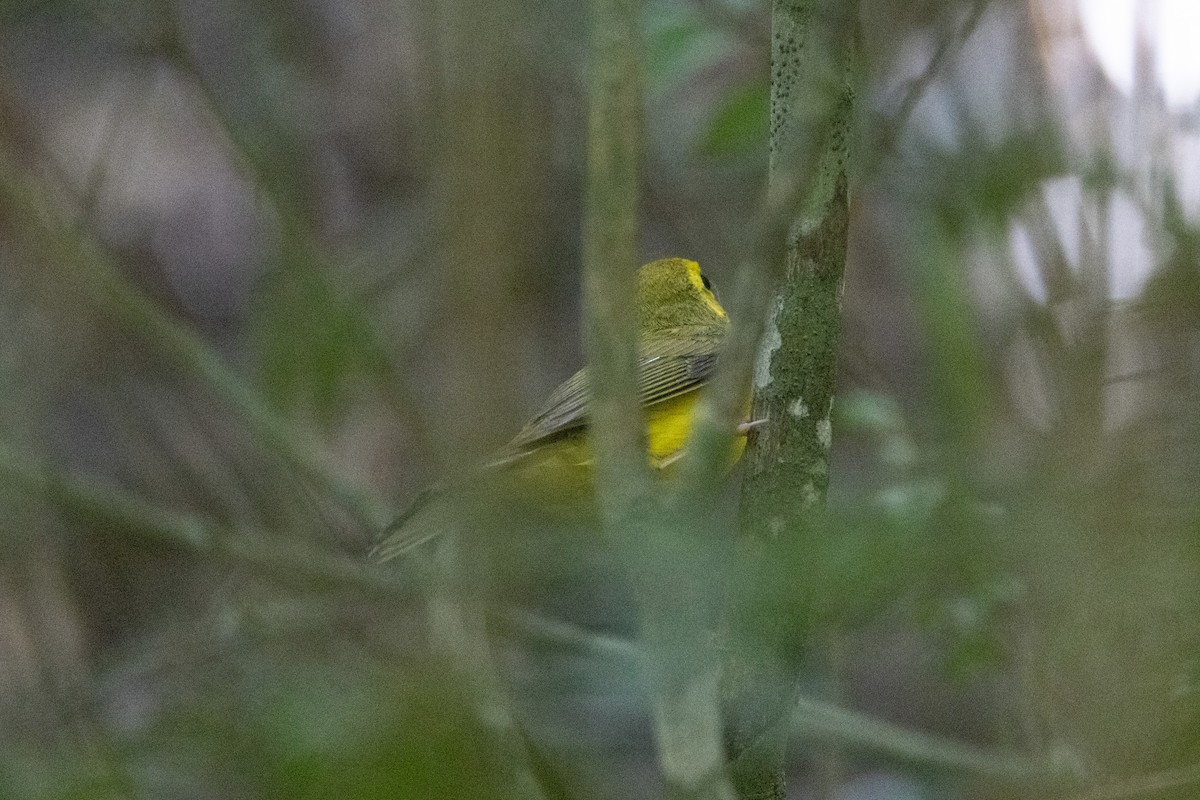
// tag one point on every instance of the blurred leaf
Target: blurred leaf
(981, 180)
(838, 573)
(677, 43)
(329, 739)
(741, 123)
(960, 384)
(911, 504)
(974, 626)
(1009, 172)
(1173, 291)
(878, 415)
(312, 342)
(295, 728)
(867, 412)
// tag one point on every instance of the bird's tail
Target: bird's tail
(404, 533)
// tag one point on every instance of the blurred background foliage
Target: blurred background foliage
(267, 268)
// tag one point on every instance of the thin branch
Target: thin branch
(258, 553)
(914, 90)
(808, 131)
(101, 170)
(51, 238)
(815, 719)
(829, 722)
(63, 677)
(610, 258)
(819, 720)
(570, 635)
(263, 176)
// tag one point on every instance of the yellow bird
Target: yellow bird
(680, 330)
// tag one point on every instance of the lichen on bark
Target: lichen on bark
(787, 465)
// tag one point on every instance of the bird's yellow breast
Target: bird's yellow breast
(668, 426)
(565, 465)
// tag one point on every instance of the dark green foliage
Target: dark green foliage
(740, 124)
(998, 600)
(315, 344)
(985, 181)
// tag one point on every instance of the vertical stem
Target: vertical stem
(787, 468)
(488, 198)
(667, 574)
(610, 256)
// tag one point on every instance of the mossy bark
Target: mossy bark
(787, 465)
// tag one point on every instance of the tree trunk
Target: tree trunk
(787, 465)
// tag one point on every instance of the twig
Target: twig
(269, 557)
(101, 169)
(832, 723)
(263, 175)
(62, 677)
(571, 635)
(915, 89)
(610, 258)
(815, 719)
(820, 720)
(51, 238)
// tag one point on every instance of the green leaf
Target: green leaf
(291, 728)
(313, 343)
(677, 44)
(741, 124)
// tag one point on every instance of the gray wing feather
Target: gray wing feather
(669, 365)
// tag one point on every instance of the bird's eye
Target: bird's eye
(707, 283)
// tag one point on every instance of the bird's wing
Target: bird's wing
(669, 365)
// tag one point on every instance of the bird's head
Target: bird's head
(673, 293)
